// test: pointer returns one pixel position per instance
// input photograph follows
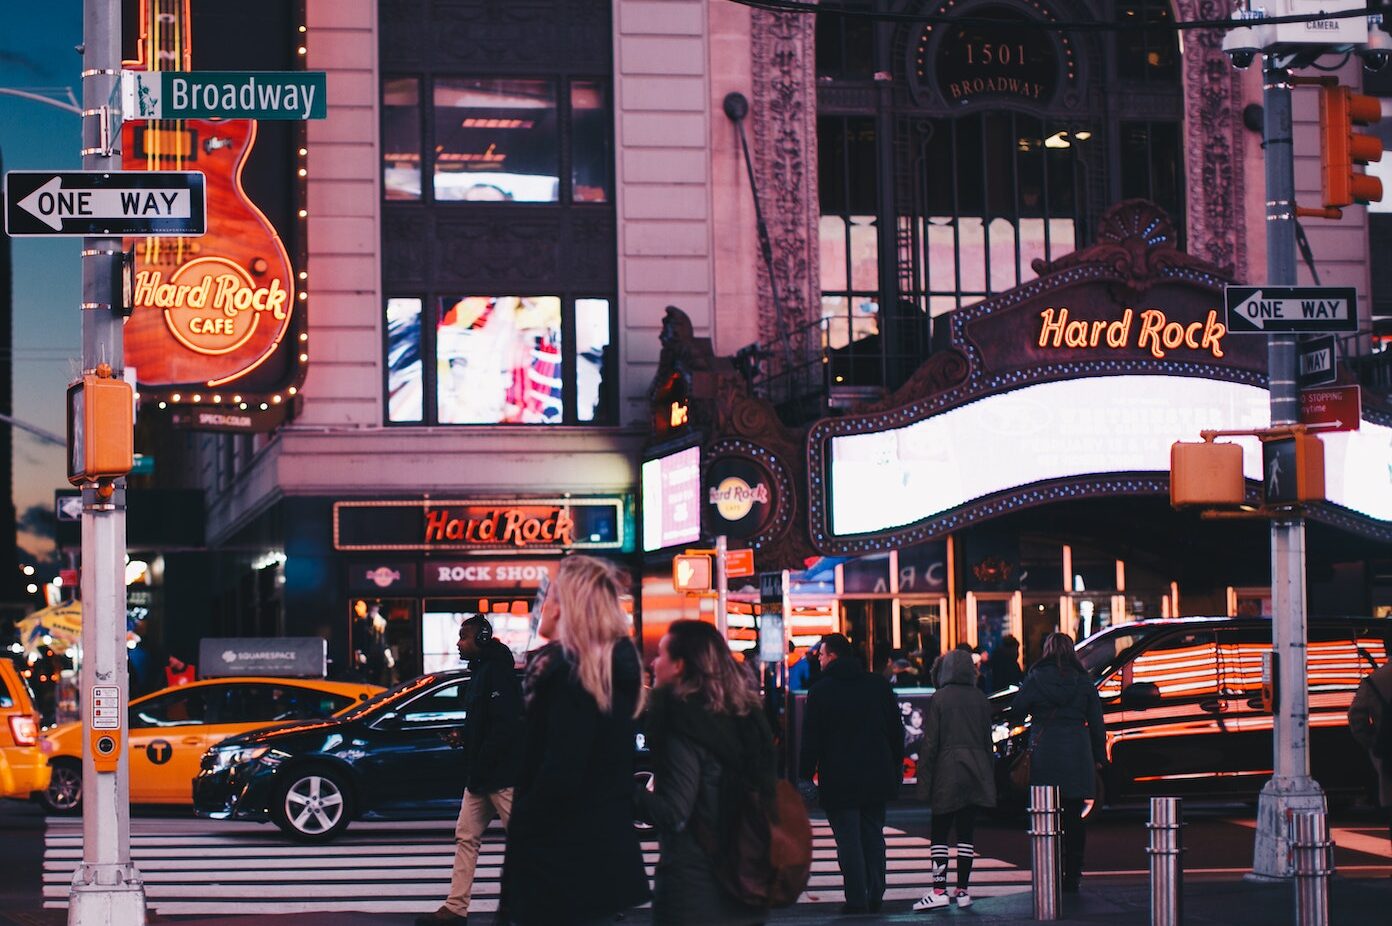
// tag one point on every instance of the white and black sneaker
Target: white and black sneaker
(963, 898)
(935, 899)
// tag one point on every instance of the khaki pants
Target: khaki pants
(475, 812)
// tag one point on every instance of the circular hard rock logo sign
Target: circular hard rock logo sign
(211, 305)
(739, 495)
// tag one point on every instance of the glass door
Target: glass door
(992, 615)
(924, 633)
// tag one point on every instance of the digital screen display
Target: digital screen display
(672, 499)
(1074, 428)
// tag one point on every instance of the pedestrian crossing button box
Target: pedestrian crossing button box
(1206, 474)
(101, 421)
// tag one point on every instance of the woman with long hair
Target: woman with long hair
(710, 743)
(573, 855)
(1068, 742)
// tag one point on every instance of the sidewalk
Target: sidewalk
(1110, 901)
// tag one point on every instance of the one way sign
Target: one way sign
(92, 202)
(1286, 309)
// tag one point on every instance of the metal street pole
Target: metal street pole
(722, 588)
(1291, 789)
(107, 890)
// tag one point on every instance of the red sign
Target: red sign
(1337, 407)
(739, 563)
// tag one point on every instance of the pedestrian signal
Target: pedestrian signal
(1293, 469)
(1342, 149)
(1206, 474)
(691, 573)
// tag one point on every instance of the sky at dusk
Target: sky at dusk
(37, 55)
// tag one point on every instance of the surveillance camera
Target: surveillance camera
(1374, 60)
(1378, 49)
(1242, 57)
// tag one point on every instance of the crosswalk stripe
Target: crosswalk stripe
(388, 867)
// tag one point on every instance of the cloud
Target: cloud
(38, 520)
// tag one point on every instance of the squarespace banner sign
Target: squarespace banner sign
(513, 525)
(216, 320)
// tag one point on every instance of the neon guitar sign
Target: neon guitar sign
(208, 311)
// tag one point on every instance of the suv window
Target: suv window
(1340, 655)
(6, 699)
(1240, 651)
(441, 706)
(179, 708)
(1180, 666)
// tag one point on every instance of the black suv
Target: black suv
(387, 758)
(1183, 705)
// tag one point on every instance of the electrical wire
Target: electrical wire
(861, 12)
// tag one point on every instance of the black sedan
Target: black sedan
(390, 758)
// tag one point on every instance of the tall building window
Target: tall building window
(499, 359)
(496, 139)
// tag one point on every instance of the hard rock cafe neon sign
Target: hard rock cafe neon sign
(210, 304)
(1153, 331)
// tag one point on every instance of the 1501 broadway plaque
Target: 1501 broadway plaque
(1004, 59)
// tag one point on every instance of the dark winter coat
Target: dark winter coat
(1364, 715)
(492, 733)
(955, 764)
(1066, 730)
(700, 762)
(852, 737)
(572, 852)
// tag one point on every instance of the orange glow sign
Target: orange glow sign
(1154, 333)
(217, 319)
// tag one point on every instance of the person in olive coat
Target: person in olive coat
(710, 743)
(853, 741)
(1068, 740)
(955, 772)
(573, 855)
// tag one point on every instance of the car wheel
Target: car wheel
(312, 805)
(64, 793)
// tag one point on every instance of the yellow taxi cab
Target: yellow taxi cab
(23, 766)
(170, 730)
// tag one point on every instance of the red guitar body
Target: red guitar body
(210, 309)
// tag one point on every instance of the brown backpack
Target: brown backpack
(767, 859)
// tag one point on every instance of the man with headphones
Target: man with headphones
(492, 737)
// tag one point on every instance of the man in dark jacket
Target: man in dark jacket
(853, 741)
(491, 735)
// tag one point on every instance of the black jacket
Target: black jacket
(492, 731)
(573, 854)
(1066, 731)
(852, 737)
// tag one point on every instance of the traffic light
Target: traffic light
(1341, 110)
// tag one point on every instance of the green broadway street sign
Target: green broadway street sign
(290, 95)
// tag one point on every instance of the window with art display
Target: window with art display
(537, 359)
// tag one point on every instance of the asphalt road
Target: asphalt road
(1218, 841)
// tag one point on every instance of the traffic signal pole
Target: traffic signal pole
(107, 890)
(1291, 789)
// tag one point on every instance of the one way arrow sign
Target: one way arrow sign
(1286, 309)
(92, 203)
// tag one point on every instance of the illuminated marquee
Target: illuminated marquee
(1154, 332)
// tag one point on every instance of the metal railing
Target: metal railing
(1310, 848)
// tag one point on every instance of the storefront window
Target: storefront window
(511, 618)
(384, 639)
(405, 397)
(496, 141)
(401, 139)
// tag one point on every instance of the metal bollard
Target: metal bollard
(1046, 861)
(1166, 873)
(1310, 851)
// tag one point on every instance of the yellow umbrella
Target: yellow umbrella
(62, 623)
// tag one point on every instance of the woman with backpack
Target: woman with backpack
(573, 855)
(955, 773)
(1068, 741)
(711, 747)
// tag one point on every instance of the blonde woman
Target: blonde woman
(573, 855)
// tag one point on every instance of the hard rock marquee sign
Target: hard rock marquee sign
(516, 525)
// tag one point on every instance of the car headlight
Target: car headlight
(221, 757)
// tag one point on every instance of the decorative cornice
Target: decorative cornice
(1213, 144)
(784, 125)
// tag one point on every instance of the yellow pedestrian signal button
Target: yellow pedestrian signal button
(691, 573)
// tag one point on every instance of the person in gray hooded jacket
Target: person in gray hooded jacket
(955, 772)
